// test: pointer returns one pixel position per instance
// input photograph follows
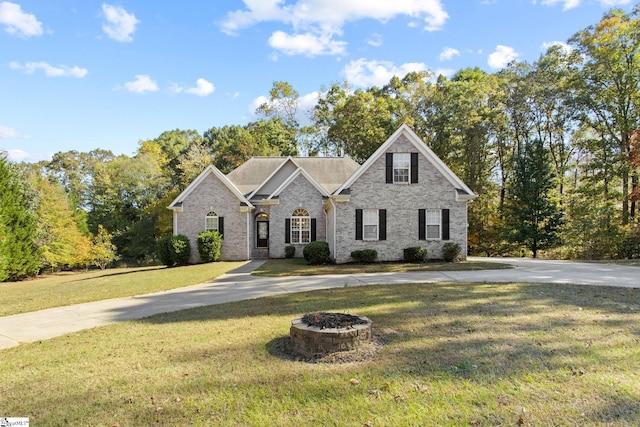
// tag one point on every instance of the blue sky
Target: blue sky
(84, 74)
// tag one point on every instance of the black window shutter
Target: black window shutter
(414, 168)
(221, 226)
(445, 224)
(382, 224)
(389, 168)
(287, 230)
(313, 229)
(358, 224)
(422, 224)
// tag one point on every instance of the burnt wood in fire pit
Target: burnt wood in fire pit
(332, 320)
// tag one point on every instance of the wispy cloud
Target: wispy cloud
(318, 24)
(502, 56)
(365, 73)
(572, 4)
(120, 24)
(8, 133)
(143, 83)
(49, 70)
(448, 53)
(17, 22)
(566, 48)
(375, 40)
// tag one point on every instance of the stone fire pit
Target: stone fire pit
(318, 334)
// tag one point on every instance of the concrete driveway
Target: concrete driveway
(240, 285)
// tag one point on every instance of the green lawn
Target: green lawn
(73, 288)
(299, 267)
(456, 355)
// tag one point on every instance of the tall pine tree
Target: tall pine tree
(19, 254)
(533, 218)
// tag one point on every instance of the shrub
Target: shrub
(289, 251)
(415, 254)
(209, 245)
(451, 251)
(173, 250)
(365, 255)
(317, 253)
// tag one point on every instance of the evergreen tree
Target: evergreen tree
(19, 255)
(533, 217)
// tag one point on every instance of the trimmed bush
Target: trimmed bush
(289, 251)
(415, 254)
(317, 253)
(451, 251)
(209, 245)
(173, 250)
(365, 255)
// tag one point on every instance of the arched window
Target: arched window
(211, 222)
(300, 226)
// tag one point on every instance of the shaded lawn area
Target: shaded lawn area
(57, 290)
(299, 267)
(456, 354)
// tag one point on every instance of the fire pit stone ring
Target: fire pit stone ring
(317, 334)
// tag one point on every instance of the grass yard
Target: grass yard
(299, 267)
(456, 355)
(63, 289)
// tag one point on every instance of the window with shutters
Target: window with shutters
(211, 222)
(300, 226)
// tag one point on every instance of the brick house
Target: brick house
(402, 196)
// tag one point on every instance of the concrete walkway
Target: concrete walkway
(239, 285)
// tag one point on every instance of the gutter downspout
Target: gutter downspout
(335, 214)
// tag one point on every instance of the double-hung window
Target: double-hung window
(432, 220)
(370, 219)
(433, 224)
(401, 167)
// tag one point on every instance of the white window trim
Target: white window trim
(304, 224)
(406, 166)
(437, 223)
(206, 220)
(370, 217)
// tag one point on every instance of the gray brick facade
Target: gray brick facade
(210, 195)
(332, 206)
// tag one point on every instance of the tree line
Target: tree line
(552, 148)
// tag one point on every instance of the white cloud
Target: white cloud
(306, 44)
(448, 53)
(306, 103)
(8, 133)
(572, 4)
(566, 49)
(502, 56)
(50, 70)
(18, 155)
(120, 24)
(18, 22)
(567, 4)
(203, 88)
(377, 73)
(375, 40)
(316, 23)
(142, 83)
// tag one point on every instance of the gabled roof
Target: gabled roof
(177, 203)
(293, 176)
(424, 150)
(328, 172)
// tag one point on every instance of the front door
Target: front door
(263, 234)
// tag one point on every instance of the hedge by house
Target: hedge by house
(209, 245)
